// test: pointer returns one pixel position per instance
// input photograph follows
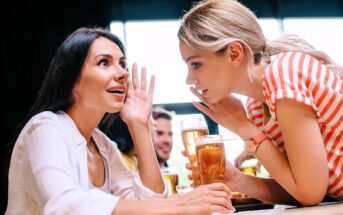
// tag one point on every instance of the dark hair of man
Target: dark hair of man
(161, 113)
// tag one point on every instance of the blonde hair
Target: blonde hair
(211, 25)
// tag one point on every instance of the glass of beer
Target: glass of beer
(191, 129)
(172, 179)
(211, 158)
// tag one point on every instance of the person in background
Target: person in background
(63, 164)
(293, 124)
(163, 135)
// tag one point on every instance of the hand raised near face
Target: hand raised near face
(138, 103)
(228, 112)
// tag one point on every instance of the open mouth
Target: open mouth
(165, 150)
(117, 90)
(204, 92)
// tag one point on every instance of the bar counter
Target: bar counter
(327, 208)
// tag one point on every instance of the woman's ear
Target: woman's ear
(75, 92)
(235, 53)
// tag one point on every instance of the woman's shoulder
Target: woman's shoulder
(44, 118)
(290, 67)
(44, 124)
(292, 61)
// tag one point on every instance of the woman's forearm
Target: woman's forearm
(303, 172)
(149, 170)
(151, 207)
(265, 189)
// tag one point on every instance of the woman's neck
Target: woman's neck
(86, 121)
(253, 82)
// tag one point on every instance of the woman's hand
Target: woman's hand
(243, 156)
(205, 199)
(231, 175)
(228, 112)
(189, 167)
(138, 103)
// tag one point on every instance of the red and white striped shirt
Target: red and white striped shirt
(299, 76)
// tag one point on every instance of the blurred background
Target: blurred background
(31, 31)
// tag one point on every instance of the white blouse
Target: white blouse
(49, 174)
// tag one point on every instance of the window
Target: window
(155, 45)
(322, 33)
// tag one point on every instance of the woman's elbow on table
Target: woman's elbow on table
(310, 197)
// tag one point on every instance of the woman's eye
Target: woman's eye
(195, 65)
(103, 62)
(123, 65)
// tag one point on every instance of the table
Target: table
(327, 208)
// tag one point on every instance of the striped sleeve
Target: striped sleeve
(255, 111)
(290, 76)
(270, 128)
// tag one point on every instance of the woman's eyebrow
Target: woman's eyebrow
(192, 57)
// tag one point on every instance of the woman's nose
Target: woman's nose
(121, 75)
(190, 79)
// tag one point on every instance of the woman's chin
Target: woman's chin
(116, 108)
(212, 100)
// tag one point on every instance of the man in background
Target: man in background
(163, 135)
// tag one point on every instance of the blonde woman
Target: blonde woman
(294, 119)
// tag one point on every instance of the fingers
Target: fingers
(223, 210)
(197, 94)
(184, 153)
(143, 83)
(238, 162)
(152, 85)
(143, 79)
(218, 186)
(203, 109)
(135, 82)
(243, 156)
(128, 85)
(218, 195)
(221, 204)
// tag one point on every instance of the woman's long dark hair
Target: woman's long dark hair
(64, 71)
(119, 133)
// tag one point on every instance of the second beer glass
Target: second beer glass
(191, 129)
(171, 177)
(211, 158)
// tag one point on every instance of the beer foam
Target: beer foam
(194, 128)
(208, 140)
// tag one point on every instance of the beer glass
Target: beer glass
(172, 179)
(191, 129)
(211, 158)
